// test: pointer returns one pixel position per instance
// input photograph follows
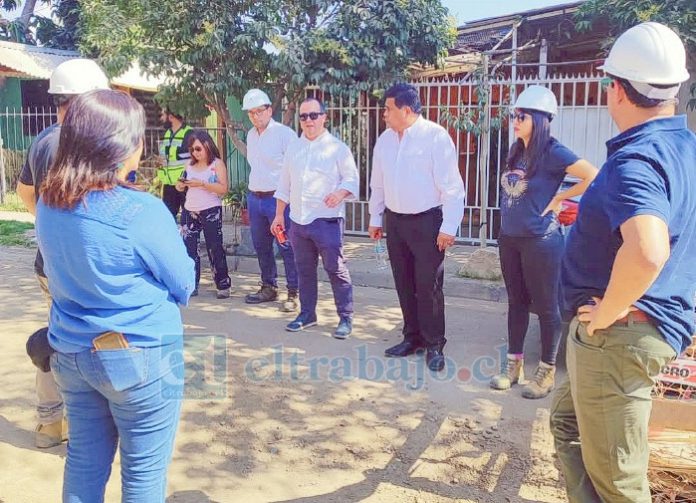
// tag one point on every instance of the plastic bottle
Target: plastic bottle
(381, 255)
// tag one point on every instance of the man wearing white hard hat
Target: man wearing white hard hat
(73, 77)
(628, 274)
(267, 142)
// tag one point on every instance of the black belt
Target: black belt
(262, 193)
(434, 209)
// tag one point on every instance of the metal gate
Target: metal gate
(583, 125)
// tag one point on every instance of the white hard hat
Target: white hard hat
(538, 98)
(255, 98)
(649, 53)
(77, 76)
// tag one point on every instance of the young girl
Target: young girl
(205, 180)
(531, 240)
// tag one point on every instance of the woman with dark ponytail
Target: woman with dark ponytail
(531, 239)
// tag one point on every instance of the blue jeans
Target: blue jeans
(262, 211)
(126, 397)
(323, 236)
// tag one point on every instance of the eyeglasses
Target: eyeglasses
(311, 115)
(606, 82)
(519, 116)
(196, 149)
(259, 112)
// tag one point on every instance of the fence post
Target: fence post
(483, 159)
(3, 181)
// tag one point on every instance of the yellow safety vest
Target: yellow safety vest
(169, 149)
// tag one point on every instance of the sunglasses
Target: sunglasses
(259, 112)
(196, 149)
(606, 82)
(519, 116)
(311, 115)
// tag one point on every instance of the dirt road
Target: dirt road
(304, 418)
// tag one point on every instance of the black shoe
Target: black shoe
(435, 359)
(267, 293)
(402, 349)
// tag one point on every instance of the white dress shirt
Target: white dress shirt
(311, 171)
(415, 173)
(265, 153)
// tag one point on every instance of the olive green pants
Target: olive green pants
(600, 413)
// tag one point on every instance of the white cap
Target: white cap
(255, 98)
(538, 98)
(77, 76)
(649, 53)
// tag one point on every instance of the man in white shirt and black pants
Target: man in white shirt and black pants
(319, 174)
(267, 142)
(416, 182)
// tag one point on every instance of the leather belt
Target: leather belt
(434, 209)
(633, 317)
(262, 193)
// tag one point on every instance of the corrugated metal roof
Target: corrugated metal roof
(31, 62)
(481, 40)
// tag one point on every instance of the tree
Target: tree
(211, 50)
(61, 30)
(680, 15)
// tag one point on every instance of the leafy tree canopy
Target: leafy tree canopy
(211, 50)
(60, 29)
(680, 15)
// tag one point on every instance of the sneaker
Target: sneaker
(542, 382)
(512, 373)
(223, 294)
(52, 434)
(344, 328)
(267, 293)
(291, 303)
(301, 322)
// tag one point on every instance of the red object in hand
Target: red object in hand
(569, 213)
(280, 234)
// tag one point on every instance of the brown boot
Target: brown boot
(511, 373)
(542, 382)
(291, 304)
(267, 293)
(52, 434)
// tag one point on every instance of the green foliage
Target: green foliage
(470, 117)
(12, 203)
(13, 233)
(60, 30)
(237, 196)
(210, 50)
(680, 15)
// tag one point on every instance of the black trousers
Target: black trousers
(418, 268)
(173, 199)
(531, 269)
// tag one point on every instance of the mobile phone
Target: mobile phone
(109, 340)
(183, 179)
